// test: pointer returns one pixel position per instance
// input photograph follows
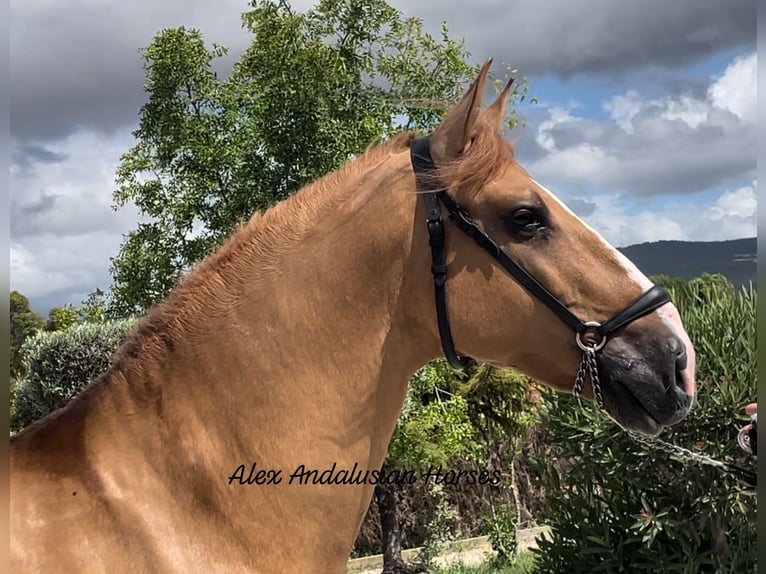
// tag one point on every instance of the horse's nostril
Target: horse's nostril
(681, 360)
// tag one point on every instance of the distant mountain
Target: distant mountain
(735, 260)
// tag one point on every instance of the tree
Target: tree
(433, 430)
(452, 416)
(24, 324)
(62, 318)
(57, 365)
(94, 308)
(313, 89)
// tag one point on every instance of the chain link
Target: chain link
(675, 450)
(589, 367)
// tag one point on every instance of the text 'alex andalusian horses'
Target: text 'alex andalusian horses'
(294, 343)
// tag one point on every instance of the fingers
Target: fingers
(751, 409)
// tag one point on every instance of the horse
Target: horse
(287, 353)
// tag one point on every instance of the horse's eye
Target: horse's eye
(525, 220)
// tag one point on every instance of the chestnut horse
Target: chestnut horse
(291, 347)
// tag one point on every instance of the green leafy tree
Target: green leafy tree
(24, 324)
(313, 89)
(57, 365)
(454, 417)
(433, 430)
(24, 321)
(62, 318)
(94, 308)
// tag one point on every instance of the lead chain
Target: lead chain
(589, 367)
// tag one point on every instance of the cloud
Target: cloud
(63, 228)
(24, 156)
(730, 215)
(76, 87)
(582, 207)
(71, 196)
(53, 270)
(653, 146)
(733, 215)
(75, 65)
(566, 38)
(736, 90)
(33, 209)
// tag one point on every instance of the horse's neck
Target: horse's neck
(306, 364)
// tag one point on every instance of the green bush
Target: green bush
(57, 365)
(618, 506)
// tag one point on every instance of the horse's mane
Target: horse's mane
(157, 331)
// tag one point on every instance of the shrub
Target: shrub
(58, 365)
(618, 506)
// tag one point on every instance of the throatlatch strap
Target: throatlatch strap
(439, 270)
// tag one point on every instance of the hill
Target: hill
(735, 259)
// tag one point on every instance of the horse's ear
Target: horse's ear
(455, 132)
(495, 114)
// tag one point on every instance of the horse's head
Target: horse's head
(646, 363)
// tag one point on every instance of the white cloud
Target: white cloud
(622, 108)
(557, 116)
(740, 203)
(689, 110)
(622, 227)
(655, 146)
(74, 265)
(736, 89)
(730, 215)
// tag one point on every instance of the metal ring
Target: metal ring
(743, 439)
(590, 347)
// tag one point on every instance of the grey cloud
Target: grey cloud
(582, 207)
(38, 207)
(669, 82)
(583, 131)
(66, 214)
(27, 155)
(662, 156)
(566, 38)
(53, 270)
(76, 65)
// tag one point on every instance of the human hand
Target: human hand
(747, 435)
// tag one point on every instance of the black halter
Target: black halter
(424, 167)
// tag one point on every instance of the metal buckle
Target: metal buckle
(590, 346)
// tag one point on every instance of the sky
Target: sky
(645, 121)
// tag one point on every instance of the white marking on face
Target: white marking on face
(667, 313)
